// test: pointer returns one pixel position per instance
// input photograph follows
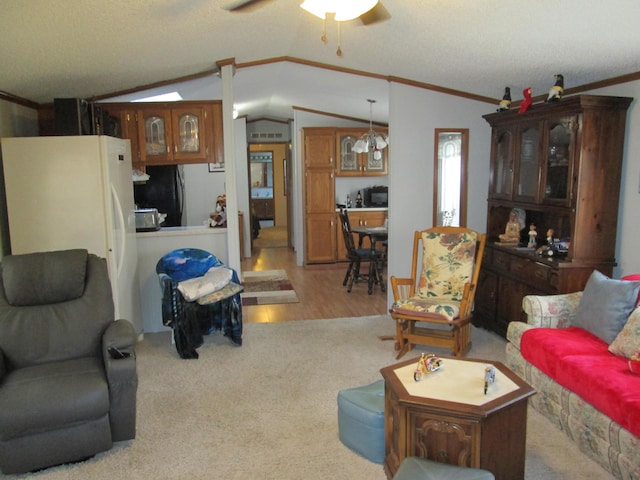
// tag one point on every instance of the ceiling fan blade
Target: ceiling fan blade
(377, 14)
(246, 5)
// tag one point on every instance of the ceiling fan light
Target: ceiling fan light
(343, 10)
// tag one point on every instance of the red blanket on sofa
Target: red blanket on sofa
(580, 362)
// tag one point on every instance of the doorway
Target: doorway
(269, 186)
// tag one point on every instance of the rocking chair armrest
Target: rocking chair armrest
(402, 288)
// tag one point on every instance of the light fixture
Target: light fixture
(371, 140)
(342, 11)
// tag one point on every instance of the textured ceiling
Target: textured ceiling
(83, 48)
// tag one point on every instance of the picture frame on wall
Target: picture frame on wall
(216, 167)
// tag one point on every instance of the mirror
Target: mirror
(450, 177)
(261, 174)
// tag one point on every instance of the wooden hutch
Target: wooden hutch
(561, 163)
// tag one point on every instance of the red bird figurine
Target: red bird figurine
(526, 102)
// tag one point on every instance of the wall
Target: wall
(201, 188)
(414, 115)
(15, 121)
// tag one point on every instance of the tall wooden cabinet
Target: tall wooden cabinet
(319, 195)
(561, 164)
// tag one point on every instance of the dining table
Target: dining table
(377, 234)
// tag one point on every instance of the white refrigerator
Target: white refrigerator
(76, 192)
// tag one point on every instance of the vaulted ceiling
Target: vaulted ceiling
(84, 48)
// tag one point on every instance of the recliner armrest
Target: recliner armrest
(551, 311)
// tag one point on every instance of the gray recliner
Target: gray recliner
(63, 396)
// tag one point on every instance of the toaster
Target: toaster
(148, 219)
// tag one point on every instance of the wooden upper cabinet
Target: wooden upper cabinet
(352, 164)
(319, 147)
(171, 133)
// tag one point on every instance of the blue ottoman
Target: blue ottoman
(414, 468)
(361, 420)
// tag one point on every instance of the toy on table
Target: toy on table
(489, 377)
(428, 363)
(219, 217)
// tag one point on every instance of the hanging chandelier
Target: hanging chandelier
(371, 140)
(342, 11)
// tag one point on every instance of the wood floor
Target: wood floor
(319, 289)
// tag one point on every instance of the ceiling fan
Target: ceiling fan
(376, 14)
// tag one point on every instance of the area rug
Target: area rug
(267, 287)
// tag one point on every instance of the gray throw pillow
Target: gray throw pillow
(605, 305)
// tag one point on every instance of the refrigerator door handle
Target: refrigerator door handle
(120, 216)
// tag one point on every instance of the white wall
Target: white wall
(414, 115)
(201, 188)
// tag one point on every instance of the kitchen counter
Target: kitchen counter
(153, 245)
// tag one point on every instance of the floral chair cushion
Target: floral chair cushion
(447, 265)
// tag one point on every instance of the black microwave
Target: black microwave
(376, 197)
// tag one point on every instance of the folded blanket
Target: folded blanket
(215, 279)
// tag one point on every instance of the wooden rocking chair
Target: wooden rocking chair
(441, 293)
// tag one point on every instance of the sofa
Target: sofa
(582, 374)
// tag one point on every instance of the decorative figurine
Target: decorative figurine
(426, 364)
(489, 377)
(555, 92)
(505, 103)
(219, 217)
(358, 200)
(532, 236)
(550, 233)
(526, 101)
(511, 235)
(348, 201)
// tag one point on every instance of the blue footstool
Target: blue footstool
(361, 420)
(414, 468)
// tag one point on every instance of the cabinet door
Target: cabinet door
(349, 162)
(484, 312)
(319, 150)
(527, 165)
(558, 160)
(320, 238)
(502, 164)
(319, 191)
(189, 127)
(154, 134)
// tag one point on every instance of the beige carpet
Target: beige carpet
(267, 410)
(267, 287)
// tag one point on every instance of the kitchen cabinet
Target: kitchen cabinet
(352, 164)
(319, 195)
(171, 133)
(359, 218)
(262, 208)
(561, 164)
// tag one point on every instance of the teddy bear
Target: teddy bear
(219, 217)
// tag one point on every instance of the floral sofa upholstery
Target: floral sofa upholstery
(582, 387)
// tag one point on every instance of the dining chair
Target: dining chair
(441, 293)
(358, 255)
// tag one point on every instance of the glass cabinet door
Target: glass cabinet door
(502, 165)
(155, 140)
(557, 174)
(528, 165)
(188, 133)
(348, 160)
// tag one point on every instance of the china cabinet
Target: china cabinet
(560, 163)
(350, 163)
(171, 133)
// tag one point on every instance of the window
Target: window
(450, 177)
